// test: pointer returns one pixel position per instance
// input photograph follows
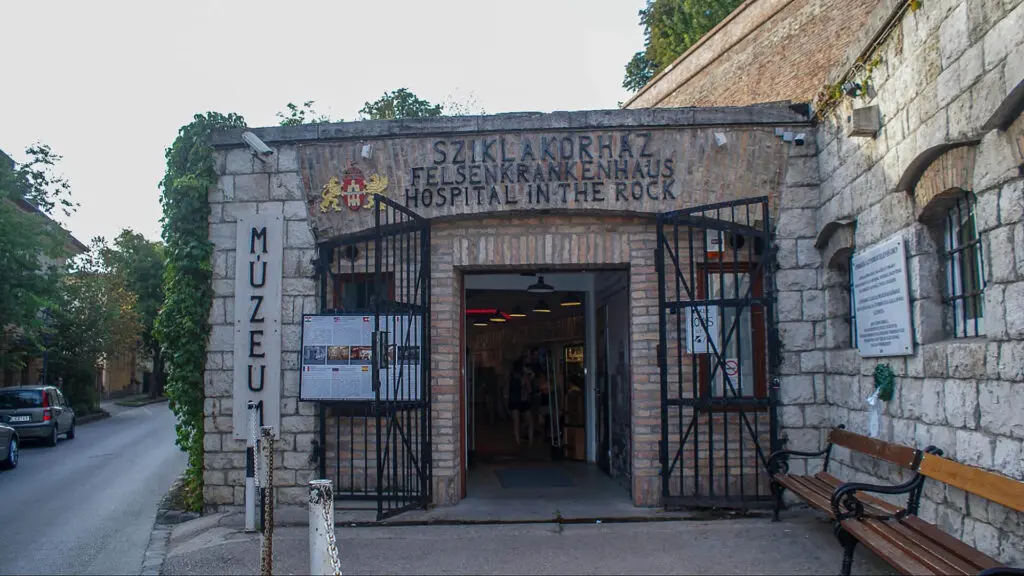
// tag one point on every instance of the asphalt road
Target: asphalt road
(87, 506)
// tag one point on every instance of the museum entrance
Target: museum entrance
(538, 397)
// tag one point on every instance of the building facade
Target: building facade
(926, 156)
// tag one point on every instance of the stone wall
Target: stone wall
(945, 74)
(765, 51)
(248, 186)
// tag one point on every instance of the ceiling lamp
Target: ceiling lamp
(480, 323)
(571, 299)
(498, 316)
(539, 287)
(517, 312)
(541, 307)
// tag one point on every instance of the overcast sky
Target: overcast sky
(107, 84)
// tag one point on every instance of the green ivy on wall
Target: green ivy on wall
(182, 326)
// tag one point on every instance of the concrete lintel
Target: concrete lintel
(780, 113)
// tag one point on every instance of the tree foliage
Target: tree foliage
(303, 114)
(32, 249)
(399, 104)
(93, 318)
(139, 264)
(670, 28)
(182, 325)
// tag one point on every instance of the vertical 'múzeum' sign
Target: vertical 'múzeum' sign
(259, 268)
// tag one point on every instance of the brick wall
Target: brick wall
(553, 242)
(944, 72)
(769, 50)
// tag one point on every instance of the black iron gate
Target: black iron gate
(379, 450)
(716, 354)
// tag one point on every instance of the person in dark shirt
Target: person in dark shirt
(519, 388)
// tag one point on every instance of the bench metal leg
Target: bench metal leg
(777, 490)
(848, 543)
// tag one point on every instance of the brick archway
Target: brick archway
(551, 241)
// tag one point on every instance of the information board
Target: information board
(882, 300)
(338, 353)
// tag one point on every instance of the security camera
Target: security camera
(255, 144)
(799, 139)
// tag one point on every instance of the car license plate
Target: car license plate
(20, 418)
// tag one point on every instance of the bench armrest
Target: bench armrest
(777, 462)
(845, 496)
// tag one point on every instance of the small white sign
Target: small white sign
(882, 300)
(703, 329)
(713, 241)
(259, 268)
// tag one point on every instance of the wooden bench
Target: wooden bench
(896, 534)
(907, 542)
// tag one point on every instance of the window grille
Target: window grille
(853, 303)
(965, 271)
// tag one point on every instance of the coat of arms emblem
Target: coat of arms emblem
(353, 189)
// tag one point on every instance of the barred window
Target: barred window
(965, 272)
(853, 305)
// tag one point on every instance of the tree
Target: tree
(32, 247)
(139, 265)
(93, 318)
(399, 104)
(304, 114)
(670, 28)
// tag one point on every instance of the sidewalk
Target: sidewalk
(800, 544)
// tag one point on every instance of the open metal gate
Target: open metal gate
(380, 450)
(716, 353)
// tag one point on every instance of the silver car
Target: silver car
(8, 447)
(37, 412)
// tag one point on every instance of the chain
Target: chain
(254, 434)
(267, 561)
(332, 545)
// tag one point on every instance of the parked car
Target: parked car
(37, 413)
(8, 447)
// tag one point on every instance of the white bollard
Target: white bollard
(251, 500)
(322, 549)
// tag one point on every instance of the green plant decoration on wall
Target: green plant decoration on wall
(183, 326)
(885, 382)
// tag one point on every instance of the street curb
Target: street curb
(156, 551)
(160, 536)
(88, 418)
(141, 403)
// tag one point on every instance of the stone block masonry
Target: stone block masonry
(250, 187)
(941, 81)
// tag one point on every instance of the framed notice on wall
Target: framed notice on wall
(882, 300)
(339, 352)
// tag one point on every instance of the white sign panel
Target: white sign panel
(702, 322)
(882, 300)
(338, 353)
(714, 240)
(259, 268)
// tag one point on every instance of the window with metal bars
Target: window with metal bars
(964, 270)
(853, 303)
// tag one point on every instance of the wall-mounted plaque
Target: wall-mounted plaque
(882, 300)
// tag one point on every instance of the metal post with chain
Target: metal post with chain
(323, 548)
(267, 448)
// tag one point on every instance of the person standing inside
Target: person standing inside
(519, 389)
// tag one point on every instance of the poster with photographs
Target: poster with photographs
(337, 358)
